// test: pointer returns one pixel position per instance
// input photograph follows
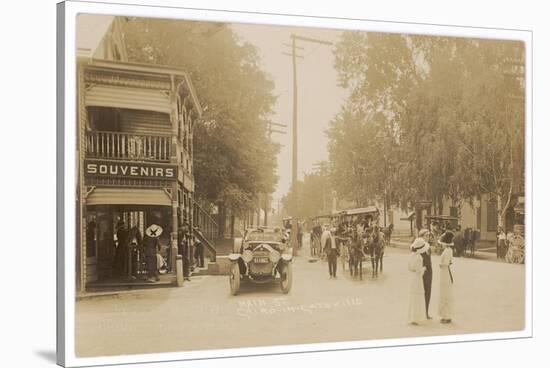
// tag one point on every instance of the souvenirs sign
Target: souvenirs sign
(122, 169)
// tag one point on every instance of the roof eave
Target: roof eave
(151, 69)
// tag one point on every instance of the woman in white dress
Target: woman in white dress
(446, 278)
(417, 306)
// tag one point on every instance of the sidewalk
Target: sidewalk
(114, 288)
(484, 253)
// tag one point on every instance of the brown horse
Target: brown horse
(356, 256)
(376, 251)
(387, 233)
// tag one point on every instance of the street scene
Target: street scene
(203, 314)
(245, 185)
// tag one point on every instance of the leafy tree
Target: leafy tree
(234, 159)
(313, 196)
(435, 113)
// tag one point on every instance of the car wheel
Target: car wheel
(234, 278)
(286, 278)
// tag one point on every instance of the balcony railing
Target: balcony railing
(128, 146)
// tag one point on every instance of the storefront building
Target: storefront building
(134, 148)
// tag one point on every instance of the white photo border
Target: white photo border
(66, 170)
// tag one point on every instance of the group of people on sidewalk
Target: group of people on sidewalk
(420, 289)
(132, 248)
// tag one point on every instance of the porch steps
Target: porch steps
(220, 267)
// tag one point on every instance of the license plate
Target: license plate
(261, 260)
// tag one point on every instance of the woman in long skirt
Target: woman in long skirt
(417, 306)
(446, 279)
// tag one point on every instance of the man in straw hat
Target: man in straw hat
(417, 306)
(151, 244)
(446, 278)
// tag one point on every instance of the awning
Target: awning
(128, 98)
(128, 196)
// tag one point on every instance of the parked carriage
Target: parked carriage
(438, 225)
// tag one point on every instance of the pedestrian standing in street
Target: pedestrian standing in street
(459, 242)
(426, 255)
(300, 234)
(324, 236)
(331, 250)
(151, 244)
(446, 278)
(417, 310)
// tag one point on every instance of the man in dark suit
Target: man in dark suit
(427, 276)
(183, 249)
(332, 252)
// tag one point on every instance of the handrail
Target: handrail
(207, 243)
(208, 227)
(205, 213)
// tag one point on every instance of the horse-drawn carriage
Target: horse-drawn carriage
(438, 225)
(360, 237)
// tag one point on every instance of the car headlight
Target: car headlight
(247, 255)
(274, 256)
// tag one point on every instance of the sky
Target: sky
(319, 97)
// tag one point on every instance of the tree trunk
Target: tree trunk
(503, 203)
(232, 224)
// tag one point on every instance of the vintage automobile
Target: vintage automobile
(262, 256)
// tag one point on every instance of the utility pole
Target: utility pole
(270, 130)
(321, 169)
(294, 206)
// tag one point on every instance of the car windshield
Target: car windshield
(267, 235)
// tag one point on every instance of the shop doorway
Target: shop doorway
(113, 239)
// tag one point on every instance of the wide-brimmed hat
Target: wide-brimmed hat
(420, 246)
(153, 231)
(447, 239)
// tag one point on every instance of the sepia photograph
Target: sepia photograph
(244, 185)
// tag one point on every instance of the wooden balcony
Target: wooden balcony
(128, 146)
